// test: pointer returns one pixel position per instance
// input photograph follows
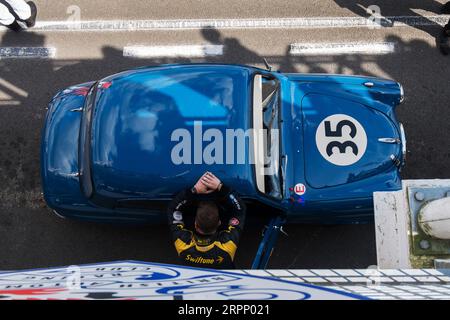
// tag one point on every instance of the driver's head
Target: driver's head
(207, 218)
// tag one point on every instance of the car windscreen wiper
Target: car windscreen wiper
(85, 145)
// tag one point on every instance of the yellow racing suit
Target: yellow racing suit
(213, 251)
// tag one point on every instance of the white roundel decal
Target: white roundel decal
(178, 216)
(300, 189)
(341, 139)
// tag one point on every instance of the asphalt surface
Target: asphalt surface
(31, 236)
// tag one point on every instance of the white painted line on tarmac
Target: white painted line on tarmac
(188, 51)
(11, 87)
(27, 52)
(9, 103)
(259, 23)
(342, 48)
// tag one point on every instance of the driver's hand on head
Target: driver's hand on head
(207, 183)
(200, 187)
(211, 182)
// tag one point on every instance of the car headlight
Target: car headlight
(403, 139)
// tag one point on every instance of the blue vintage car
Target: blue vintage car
(118, 149)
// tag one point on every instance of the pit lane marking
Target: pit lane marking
(171, 51)
(259, 23)
(27, 52)
(341, 48)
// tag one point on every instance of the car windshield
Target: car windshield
(267, 135)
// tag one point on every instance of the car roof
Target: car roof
(136, 116)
